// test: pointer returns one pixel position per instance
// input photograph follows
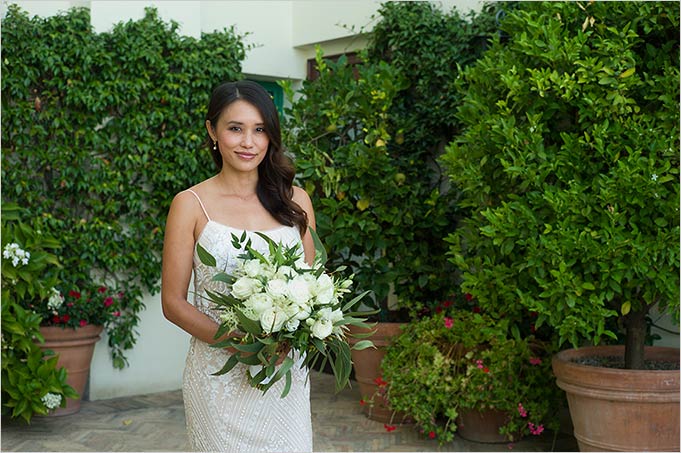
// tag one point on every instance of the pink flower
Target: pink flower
(449, 322)
(535, 361)
(101, 289)
(521, 410)
(510, 446)
(83, 323)
(535, 429)
(479, 364)
(108, 301)
(116, 313)
(120, 295)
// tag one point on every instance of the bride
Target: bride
(252, 191)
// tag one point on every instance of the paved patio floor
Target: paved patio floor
(155, 422)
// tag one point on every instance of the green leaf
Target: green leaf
(204, 256)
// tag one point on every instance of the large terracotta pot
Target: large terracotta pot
(367, 366)
(617, 409)
(482, 426)
(74, 348)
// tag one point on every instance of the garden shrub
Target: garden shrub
(99, 131)
(569, 164)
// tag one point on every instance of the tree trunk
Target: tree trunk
(635, 341)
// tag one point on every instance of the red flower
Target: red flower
(532, 328)
(69, 304)
(535, 361)
(438, 309)
(83, 323)
(65, 319)
(447, 303)
(485, 370)
(468, 296)
(380, 382)
(56, 319)
(108, 301)
(101, 289)
(389, 428)
(449, 322)
(476, 309)
(116, 313)
(431, 434)
(74, 294)
(362, 402)
(120, 295)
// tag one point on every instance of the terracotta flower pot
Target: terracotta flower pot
(482, 426)
(617, 409)
(367, 366)
(74, 348)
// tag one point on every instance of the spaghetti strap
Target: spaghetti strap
(200, 202)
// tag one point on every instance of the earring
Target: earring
(215, 145)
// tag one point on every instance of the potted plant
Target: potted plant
(32, 382)
(69, 323)
(569, 162)
(463, 372)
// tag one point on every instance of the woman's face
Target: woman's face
(240, 133)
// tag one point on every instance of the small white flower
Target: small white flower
(51, 400)
(292, 325)
(56, 300)
(653, 177)
(14, 252)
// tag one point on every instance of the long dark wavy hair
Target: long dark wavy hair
(276, 171)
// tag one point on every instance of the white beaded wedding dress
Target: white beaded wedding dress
(224, 413)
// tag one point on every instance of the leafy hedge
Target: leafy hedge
(99, 131)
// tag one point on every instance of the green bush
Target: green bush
(28, 373)
(366, 141)
(569, 163)
(99, 131)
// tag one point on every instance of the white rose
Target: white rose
(258, 303)
(285, 272)
(291, 325)
(272, 319)
(276, 288)
(300, 311)
(324, 290)
(253, 268)
(322, 328)
(298, 290)
(245, 287)
(301, 264)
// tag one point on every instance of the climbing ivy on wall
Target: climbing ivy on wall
(99, 131)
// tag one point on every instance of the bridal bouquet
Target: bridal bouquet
(277, 303)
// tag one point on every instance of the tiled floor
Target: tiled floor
(155, 422)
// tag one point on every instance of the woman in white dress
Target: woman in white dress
(252, 191)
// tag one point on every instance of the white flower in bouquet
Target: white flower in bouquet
(324, 290)
(272, 319)
(253, 268)
(276, 288)
(257, 304)
(245, 287)
(322, 328)
(298, 290)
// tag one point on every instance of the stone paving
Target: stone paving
(155, 422)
